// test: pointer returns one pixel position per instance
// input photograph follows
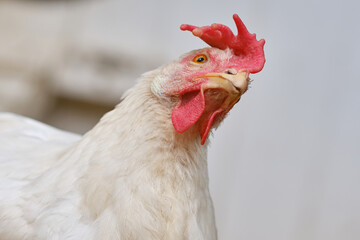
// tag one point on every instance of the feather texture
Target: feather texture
(131, 177)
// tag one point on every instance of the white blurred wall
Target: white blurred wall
(285, 164)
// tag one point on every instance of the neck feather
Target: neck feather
(135, 145)
(140, 129)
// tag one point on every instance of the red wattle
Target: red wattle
(206, 128)
(188, 111)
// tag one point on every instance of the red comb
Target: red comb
(249, 51)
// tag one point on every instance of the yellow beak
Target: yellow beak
(234, 84)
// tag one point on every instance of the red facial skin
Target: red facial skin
(187, 77)
(196, 105)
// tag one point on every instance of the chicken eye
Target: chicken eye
(200, 58)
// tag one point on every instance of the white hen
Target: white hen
(141, 172)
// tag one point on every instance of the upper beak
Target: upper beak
(231, 82)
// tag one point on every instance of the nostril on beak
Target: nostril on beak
(231, 71)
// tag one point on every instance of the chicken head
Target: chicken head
(207, 83)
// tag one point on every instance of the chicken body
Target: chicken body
(131, 177)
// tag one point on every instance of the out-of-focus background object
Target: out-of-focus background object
(68, 62)
(284, 165)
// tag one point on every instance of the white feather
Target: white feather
(131, 177)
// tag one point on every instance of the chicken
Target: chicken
(141, 172)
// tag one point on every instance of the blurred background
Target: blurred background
(284, 165)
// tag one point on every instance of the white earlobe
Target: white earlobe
(157, 85)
